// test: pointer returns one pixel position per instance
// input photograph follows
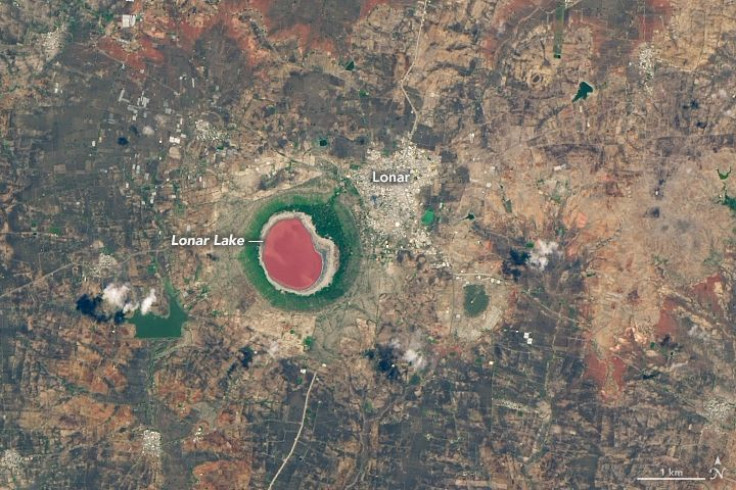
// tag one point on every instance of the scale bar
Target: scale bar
(672, 478)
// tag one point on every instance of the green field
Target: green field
(476, 299)
(333, 220)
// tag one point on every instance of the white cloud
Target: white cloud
(129, 307)
(148, 301)
(414, 358)
(116, 295)
(540, 255)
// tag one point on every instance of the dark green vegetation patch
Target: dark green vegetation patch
(583, 91)
(333, 220)
(428, 217)
(729, 202)
(476, 299)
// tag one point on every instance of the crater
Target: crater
(294, 257)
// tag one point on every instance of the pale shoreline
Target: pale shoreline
(324, 246)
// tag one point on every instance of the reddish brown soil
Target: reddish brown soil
(189, 26)
(489, 47)
(599, 29)
(607, 373)
(306, 38)
(220, 475)
(619, 369)
(667, 324)
(149, 52)
(655, 17)
(705, 294)
(518, 9)
(194, 26)
(262, 6)
(111, 48)
(447, 350)
(596, 369)
(658, 13)
(304, 34)
(157, 28)
(369, 5)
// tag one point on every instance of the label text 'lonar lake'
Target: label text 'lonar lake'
(217, 241)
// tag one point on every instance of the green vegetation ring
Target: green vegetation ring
(332, 220)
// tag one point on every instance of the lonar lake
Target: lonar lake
(151, 326)
(332, 219)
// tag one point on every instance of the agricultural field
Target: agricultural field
(510, 262)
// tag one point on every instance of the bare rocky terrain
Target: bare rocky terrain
(548, 303)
